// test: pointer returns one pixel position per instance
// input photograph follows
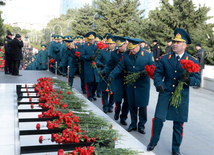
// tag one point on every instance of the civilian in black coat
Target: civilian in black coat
(156, 51)
(169, 48)
(16, 54)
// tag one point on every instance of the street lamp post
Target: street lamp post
(68, 30)
(93, 26)
(50, 32)
(59, 26)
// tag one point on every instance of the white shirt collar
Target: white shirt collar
(179, 55)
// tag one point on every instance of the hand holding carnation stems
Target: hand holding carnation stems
(189, 67)
(131, 78)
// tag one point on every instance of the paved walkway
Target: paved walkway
(198, 132)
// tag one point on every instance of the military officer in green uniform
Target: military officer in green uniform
(134, 61)
(88, 54)
(119, 88)
(166, 76)
(43, 57)
(102, 60)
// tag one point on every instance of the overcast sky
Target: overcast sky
(38, 11)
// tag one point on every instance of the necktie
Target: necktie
(177, 61)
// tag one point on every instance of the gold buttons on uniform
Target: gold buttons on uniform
(133, 66)
(175, 71)
(173, 85)
(172, 92)
(174, 78)
(134, 86)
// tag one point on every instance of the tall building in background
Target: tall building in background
(148, 5)
(68, 4)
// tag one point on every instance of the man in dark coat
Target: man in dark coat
(156, 51)
(119, 88)
(16, 54)
(200, 55)
(169, 47)
(166, 76)
(134, 61)
(88, 54)
(7, 48)
(102, 60)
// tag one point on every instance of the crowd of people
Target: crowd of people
(102, 72)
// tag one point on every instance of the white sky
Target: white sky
(37, 11)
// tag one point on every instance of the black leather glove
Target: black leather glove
(160, 89)
(102, 74)
(40, 63)
(185, 79)
(100, 65)
(110, 79)
(92, 57)
(142, 74)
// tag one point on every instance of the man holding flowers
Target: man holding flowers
(134, 61)
(173, 75)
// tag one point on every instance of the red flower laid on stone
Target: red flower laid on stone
(40, 139)
(32, 105)
(61, 152)
(38, 126)
(40, 115)
(30, 99)
(60, 92)
(68, 92)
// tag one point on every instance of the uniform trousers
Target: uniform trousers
(91, 88)
(8, 63)
(142, 116)
(125, 107)
(15, 67)
(107, 103)
(157, 125)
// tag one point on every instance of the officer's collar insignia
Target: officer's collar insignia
(117, 51)
(106, 49)
(130, 53)
(187, 57)
(142, 53)
(88, 44)
(76, 47)
(170, 56)
(5, 42)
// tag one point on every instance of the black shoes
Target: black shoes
(116, 116)
(7, 73)
(131, 129)
(94, 98)
(176, 153)
(141, 130)
(84, 92)
(105, 111)
(90, 99)
(98, 95)
(123, 122)
(150, 147)
(110, 110)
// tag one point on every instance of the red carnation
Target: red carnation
(40, 139)
(32, 105)
(94, 63)
(60, 92)
(38, 126)
(68, 92)
(30, 99)
(61, 152)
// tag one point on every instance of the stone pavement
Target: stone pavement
(198, 132)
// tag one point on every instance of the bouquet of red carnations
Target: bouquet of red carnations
(101, 45)
(189, 67)
(131, 78)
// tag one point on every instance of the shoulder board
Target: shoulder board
(158, 46)
(165, 54)
(147, 51)
(193, 57)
